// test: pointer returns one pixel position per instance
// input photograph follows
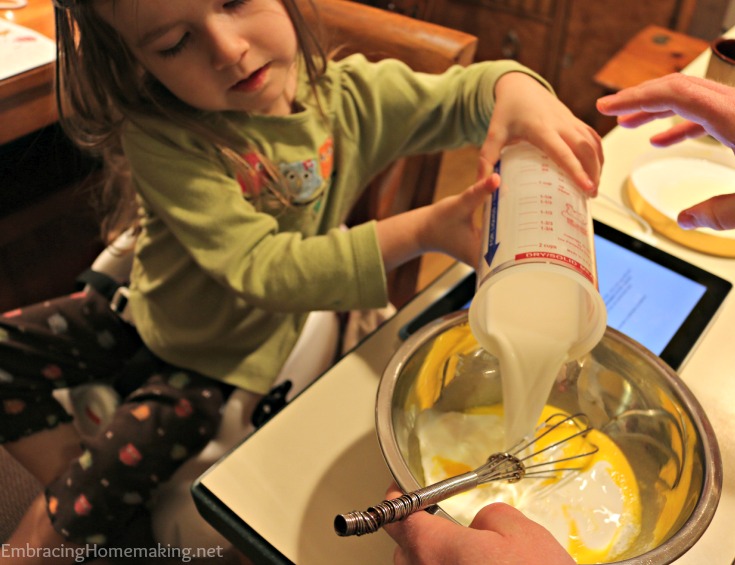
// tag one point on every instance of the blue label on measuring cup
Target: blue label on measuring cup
(492, 243)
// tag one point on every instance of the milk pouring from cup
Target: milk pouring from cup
(537, 304)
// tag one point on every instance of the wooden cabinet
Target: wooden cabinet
(566, 41)
(595, 31)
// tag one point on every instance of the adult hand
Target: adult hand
(498, 534)
(708, 108)
(717, 213)
(526, 110)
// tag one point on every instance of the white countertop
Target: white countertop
(320, 457)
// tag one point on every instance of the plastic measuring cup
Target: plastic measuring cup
(537, 304)
(538, 223)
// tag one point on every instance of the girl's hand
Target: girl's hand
(498, 534)
(526, 110)
(448, 226)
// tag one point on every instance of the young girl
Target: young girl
(246, 149)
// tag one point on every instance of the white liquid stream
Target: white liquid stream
(533, 319)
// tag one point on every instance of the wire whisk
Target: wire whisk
(511, 466)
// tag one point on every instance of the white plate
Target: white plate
(664, 182)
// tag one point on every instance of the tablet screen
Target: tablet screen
(657, 299)
(644, 300)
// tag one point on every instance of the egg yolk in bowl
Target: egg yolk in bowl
(594, 512)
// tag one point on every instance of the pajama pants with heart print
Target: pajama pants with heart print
(167, 414)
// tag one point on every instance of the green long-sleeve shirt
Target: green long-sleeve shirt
(223, 278)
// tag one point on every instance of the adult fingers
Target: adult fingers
(501, 518)
(691, 97)
(652, 96)
(717, 213)
(403, 532)
(400, 556)
(677, 133)
(640, 118)
(515, 530)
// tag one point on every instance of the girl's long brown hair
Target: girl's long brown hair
(100, 86)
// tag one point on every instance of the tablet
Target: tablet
(655, 298)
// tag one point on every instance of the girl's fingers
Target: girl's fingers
(489, 154)
(561, 153)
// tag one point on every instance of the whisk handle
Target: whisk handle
(371, 520)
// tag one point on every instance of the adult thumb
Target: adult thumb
(717, 213)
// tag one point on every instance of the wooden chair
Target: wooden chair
(425, 47)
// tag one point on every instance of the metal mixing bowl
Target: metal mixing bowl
(625, 390)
